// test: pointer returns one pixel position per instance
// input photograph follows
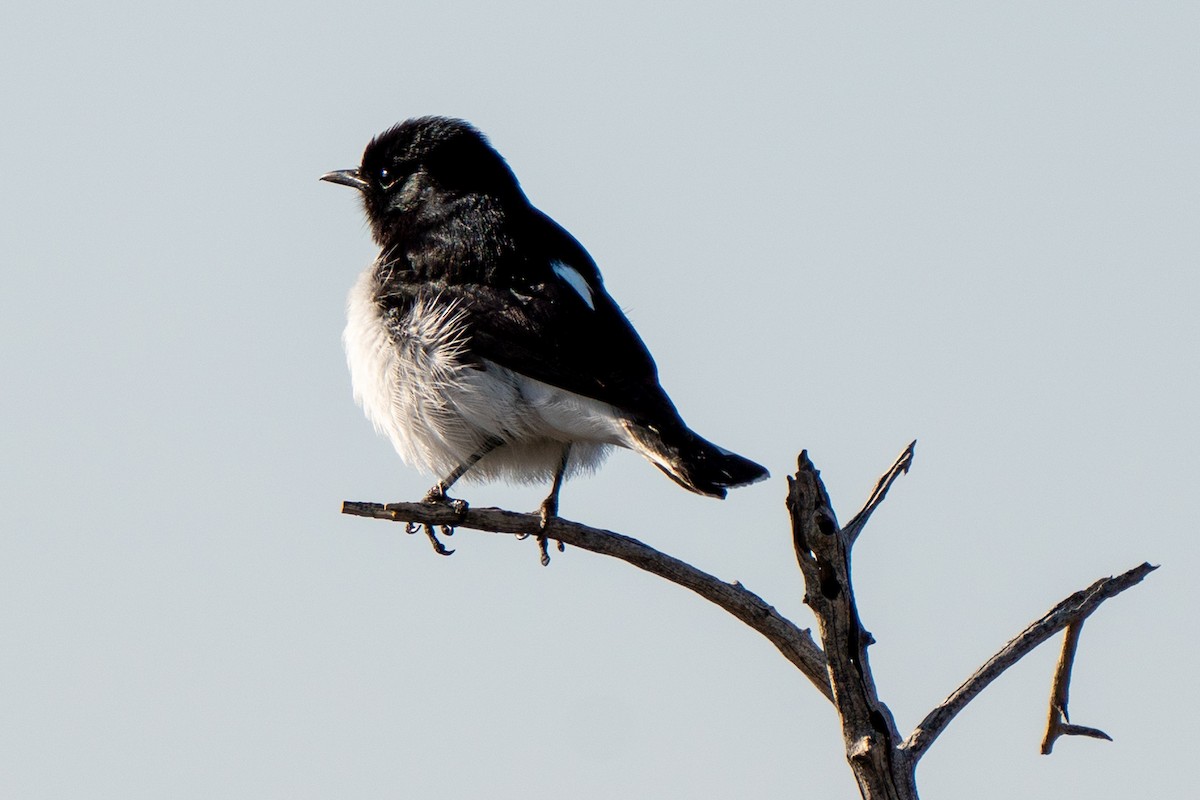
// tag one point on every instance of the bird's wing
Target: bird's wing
(563, 328)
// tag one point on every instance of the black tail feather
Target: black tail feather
(695, 463)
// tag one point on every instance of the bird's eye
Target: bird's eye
(389, 177)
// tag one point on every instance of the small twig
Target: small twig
(1058, 720)
(854, 527)
(795, 643)
(1073, 609)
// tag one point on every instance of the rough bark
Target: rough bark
(883, 771)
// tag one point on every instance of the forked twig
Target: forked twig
(1058, 720)
(1073, 609)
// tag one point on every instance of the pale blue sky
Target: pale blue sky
(837, 228)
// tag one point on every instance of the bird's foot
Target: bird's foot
(544, 549)
(438, 547)
(547, 513)
(437, 496)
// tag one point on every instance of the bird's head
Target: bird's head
(417, 169)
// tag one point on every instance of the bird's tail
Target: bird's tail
(693, 462)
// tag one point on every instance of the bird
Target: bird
(482, 341)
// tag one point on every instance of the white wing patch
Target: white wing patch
(576, 281)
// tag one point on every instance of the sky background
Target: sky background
(838, 227)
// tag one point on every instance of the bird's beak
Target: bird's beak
(346, 177)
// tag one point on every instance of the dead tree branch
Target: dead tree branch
(884, 765)
(795, 643)
(1072, 610)
(823, 551)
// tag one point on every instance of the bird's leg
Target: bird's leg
(437, 494)
(549, 507)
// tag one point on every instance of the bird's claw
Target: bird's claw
(437, 496)
(544, 549)
(438, 547)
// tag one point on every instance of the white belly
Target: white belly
(437, 412)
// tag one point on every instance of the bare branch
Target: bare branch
(1058, 721)
(1072, 610)
(823, 550)
(903, 462)
(795, 643)
(883, 764)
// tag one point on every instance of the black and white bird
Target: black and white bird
(481, 341)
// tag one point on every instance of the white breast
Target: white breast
(414, 387)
